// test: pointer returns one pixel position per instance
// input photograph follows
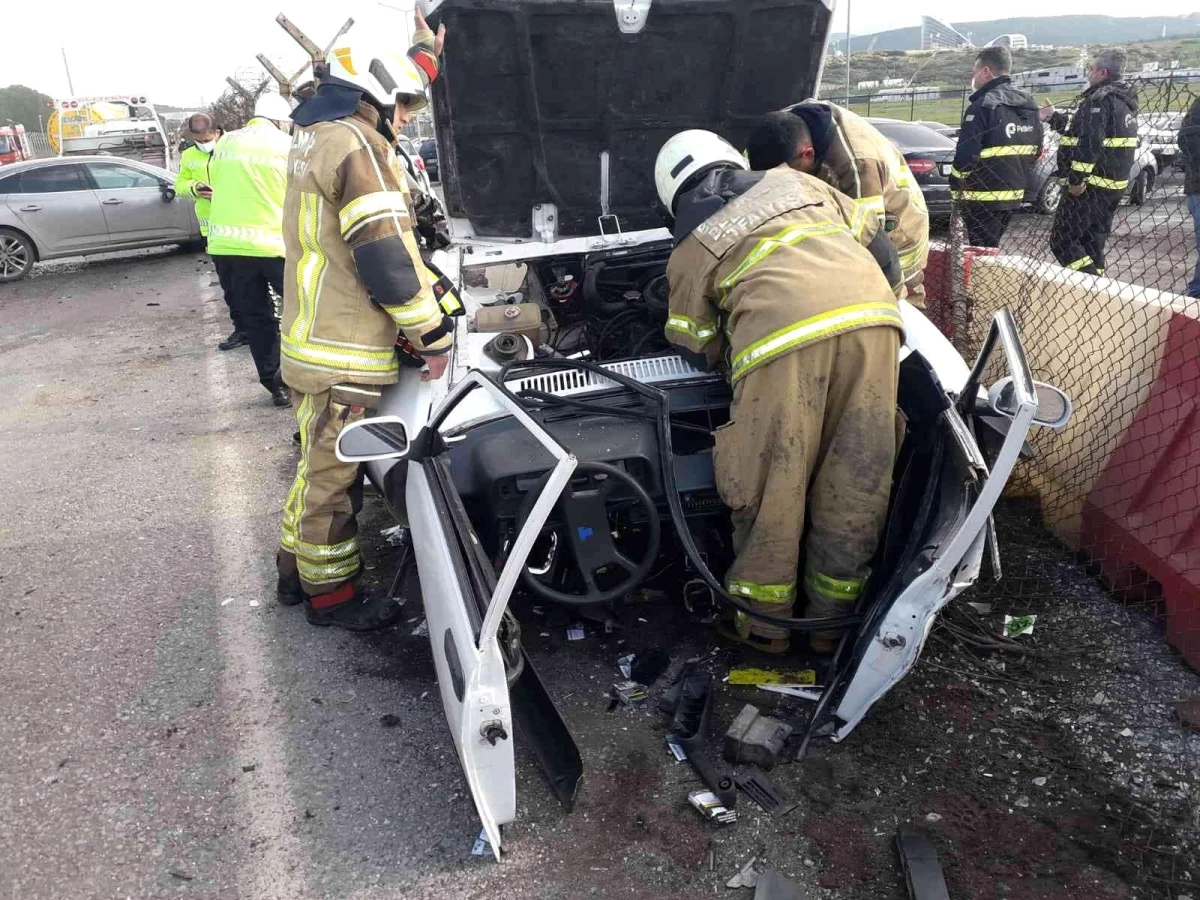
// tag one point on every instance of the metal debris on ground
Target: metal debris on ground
(774, 886)
(755, 738)
(982, 608)
(394, 535)
(421, 630)
(628, 693)
(801, 692)
(763, 791)
(576, 632)
(482, 846)
(1015, 626)
(676, 750)
(710, 806)
(919, 859)
(746, 878)
(752, 675)
(625, 664)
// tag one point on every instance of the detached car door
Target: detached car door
(465, 606)
(55, 206)
(135, 208)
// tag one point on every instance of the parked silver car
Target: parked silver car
(1045, 191)
(76, 206)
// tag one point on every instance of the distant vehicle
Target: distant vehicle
(14, 145)
(430, 155)
(929, 156)
(950, 131)
(52, 208)
(1045, 191)
(126, 126)
(1159, 132)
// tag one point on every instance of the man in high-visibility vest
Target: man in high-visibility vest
(1095, 156)
(998, 143)
(194, 181)
(848, 153)
(355, 285)
(788, 279)
(248, 176)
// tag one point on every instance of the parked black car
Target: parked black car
(429, 153)
(929, 156)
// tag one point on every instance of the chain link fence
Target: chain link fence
(1100, 533)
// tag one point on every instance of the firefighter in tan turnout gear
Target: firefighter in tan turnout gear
(788, 281)
(355, 282)
(847, 152)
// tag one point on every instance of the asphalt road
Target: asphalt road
(169, 731)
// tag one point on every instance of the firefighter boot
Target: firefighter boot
(351, 608)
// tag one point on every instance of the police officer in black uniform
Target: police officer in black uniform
(1095, 156)
(997, 147)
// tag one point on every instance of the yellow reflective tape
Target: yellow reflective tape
(833, 588)
(1069, 142)
(765, 247)
(1009, 150)
(858, 223)
(810, 330)
(376, 204)
(1085, 168)
(988, 196)
(310, 268)
(699, 331)
(779, 594)
(329, 357)
(874, 202)
(324, 573)
(1107, 184)
(293, 509)
(957, 173)
(327, 552)
(911, 256)
(414, 313)
(1121, 142)
(1080, 263)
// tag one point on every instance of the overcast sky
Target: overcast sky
(179, 53)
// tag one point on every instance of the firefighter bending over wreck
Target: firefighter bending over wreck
(786, 281)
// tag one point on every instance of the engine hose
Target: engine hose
(678, 517)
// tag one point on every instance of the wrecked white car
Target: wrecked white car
(567, 454)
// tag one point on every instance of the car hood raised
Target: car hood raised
(533, 93)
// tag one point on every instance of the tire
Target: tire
(17, 255)
(1049, 197)
(199, 246)
(1141, 187)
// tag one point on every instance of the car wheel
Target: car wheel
(1049, 197)
(17, 255)
(1141, 187)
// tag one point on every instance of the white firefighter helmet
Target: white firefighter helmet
(380, 69)
(273, 106)
(687, 154)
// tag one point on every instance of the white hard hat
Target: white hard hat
(273, 106)
(379, 69)
(687, 154)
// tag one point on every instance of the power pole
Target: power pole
(847, 54)
(70, 86)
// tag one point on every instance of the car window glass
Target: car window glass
(5, 146)
(910, 135)
(52, 180)
(112, 176)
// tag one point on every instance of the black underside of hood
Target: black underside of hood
(533, 91)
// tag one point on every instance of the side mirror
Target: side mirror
(381, 437)
(1054, 406)
(167, 191)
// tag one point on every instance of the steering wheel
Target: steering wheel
(588, 532)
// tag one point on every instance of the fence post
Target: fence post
(868, 106)
(912, 108)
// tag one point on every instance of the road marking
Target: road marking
(268, 811)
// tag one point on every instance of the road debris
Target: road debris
(395, 535)
(421, 630)
(389, 720)
(763, 791)
(576, 632)
(755, 738)
(1015, 626)
(794, 690)
(922, 871)
(933, 817)
(983, 609)
(227, 601)
(774, 886)
(628, 693)
(753, 675)
(746, 878)
(712, 808)
(625, 664)
(676, 750)
(482, 846)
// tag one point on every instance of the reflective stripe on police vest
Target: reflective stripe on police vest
(768, 245)
(1009, 150)
(811, 330)
(702, 332)
(1107, 184)
(988, 196)
(259, 238)
(370, 207)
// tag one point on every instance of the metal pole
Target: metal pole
(70, 87)
(847, 54)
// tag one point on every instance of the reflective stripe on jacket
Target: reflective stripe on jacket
(866, 167)
(1099, 137)
(354, 277)
(249, 180)
(775, 270)
(193, 170)
(998, 143)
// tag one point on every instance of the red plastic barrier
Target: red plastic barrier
(1144, 511)
(939, 291)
